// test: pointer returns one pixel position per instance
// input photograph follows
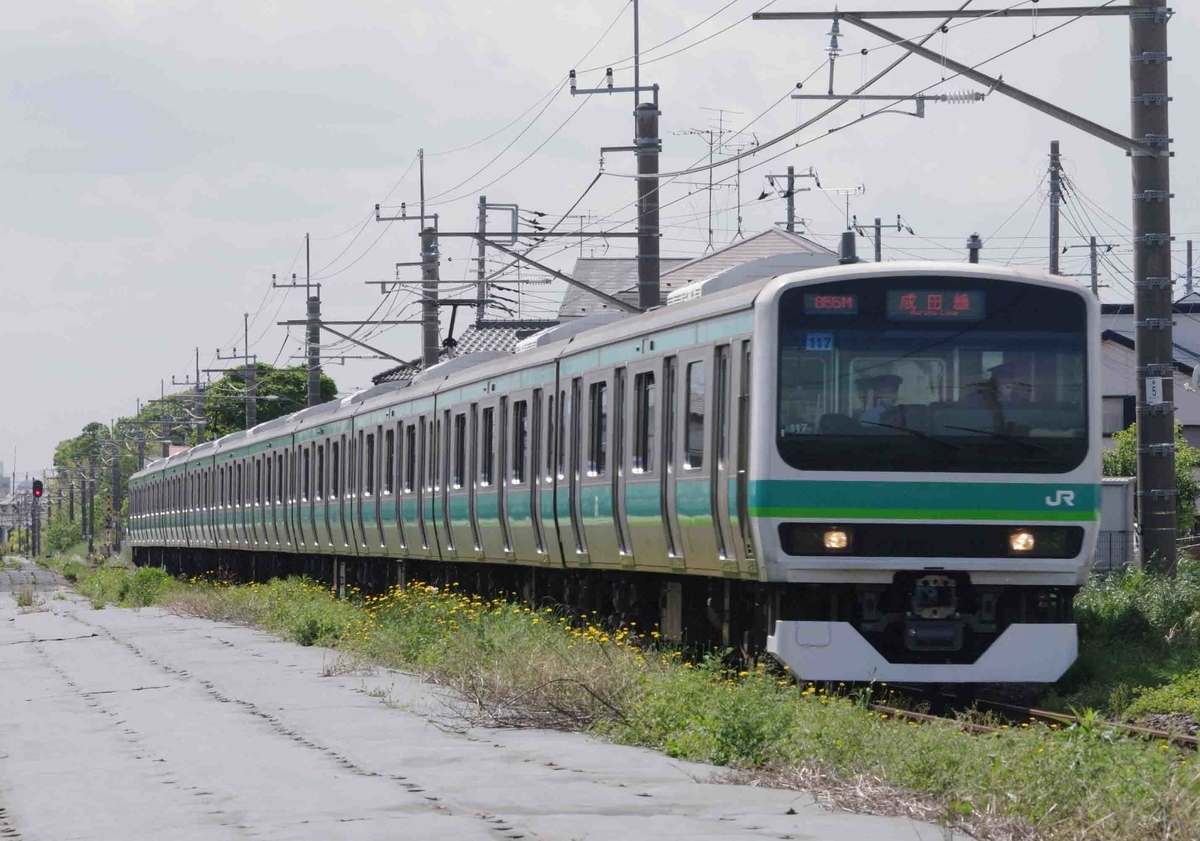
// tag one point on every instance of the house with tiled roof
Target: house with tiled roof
(618, 276)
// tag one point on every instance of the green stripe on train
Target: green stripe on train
(1026, 501)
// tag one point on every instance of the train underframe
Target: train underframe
(922, 627)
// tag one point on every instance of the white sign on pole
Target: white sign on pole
(1154, 390)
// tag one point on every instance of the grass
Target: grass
(1139, 645)
(25, 596)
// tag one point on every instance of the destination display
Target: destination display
(935, 305)
(831, 304)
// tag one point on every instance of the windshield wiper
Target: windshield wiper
(1013, 438)
(946, 444)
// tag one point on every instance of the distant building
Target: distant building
(1118, 372)
(616, 276)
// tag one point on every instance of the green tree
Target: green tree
(61, 533)
(1122, 461)
(281, 391)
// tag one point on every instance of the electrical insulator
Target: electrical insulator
(961, 97)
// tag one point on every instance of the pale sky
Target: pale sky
(160, 160)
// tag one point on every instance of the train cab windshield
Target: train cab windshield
(936, 374)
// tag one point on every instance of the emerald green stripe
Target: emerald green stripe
(926, 514)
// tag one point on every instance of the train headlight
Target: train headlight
(1021, 540)
(837, 539)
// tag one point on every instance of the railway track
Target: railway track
(1017, 715)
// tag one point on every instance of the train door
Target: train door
(321, 488)
(645, 504)
(518, 497)
(419, 458)
(444, 489)
(411, 539)
(502, 430)
(389, 494)
(343, 510)
(537, 432)
(375, 542)
(459, 513)
(596, 501)
(257, 531)
(472, 480)
(487, 481)
(692, 463)
(619, 463)
(723, 490)
(356, 499)
(239, 503)
(546, 479)
(566, 494)
(740, 522)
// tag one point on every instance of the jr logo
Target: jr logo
(1061, 498)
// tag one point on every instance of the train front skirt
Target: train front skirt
(1023, 653)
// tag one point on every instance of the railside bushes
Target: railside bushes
(1139, 633)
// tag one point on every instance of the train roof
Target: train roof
(480, 367)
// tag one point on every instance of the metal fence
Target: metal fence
(1114, 550)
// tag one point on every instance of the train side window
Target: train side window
(597, 428)
(389, 470)
(270, 464)
(321, 487)
(693, 458)
(410, 458)
(643, 422)
(460, 450)
(520, 427)
(564, 420)
(550, 427)
(241, 497)
(447, 466)
(335, 476)
(489, 447)
(369, 484)
(221, 485)
(435, 453)
(279, 460)
(721, 404)
(307, 474)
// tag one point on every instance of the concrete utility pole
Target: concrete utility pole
(1055, 204)
(114, 495)
(646, 145)
(1153, 278)
(71, 501)
(481, 264)
(201, 408)
(313, 329)
(878, 240)
(647, 141)
(430, 344)
(791, 199)
(1095, 266)
(251, 378)
(90, 520)
(974, 246)
(36, 521)
(1188, 287)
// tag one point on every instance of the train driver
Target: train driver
(884, 391)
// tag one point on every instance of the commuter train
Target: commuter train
(873, 471)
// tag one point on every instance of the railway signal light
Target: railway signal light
(37, 488)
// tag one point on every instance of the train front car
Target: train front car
(926, 475)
